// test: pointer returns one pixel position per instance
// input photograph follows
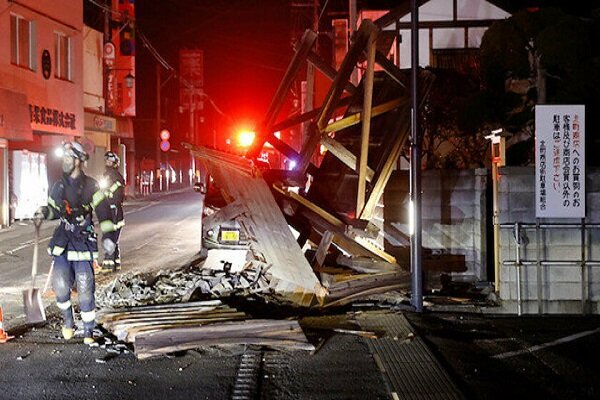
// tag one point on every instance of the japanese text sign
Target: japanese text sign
(560, 161)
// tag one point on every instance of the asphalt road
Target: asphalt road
(160, 232)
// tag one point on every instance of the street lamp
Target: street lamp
(498, 147)
(129, 80)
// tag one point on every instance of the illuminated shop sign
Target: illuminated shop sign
(47, 116)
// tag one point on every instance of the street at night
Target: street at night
(299, 199)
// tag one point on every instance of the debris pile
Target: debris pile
(161, 329)
(166, 287)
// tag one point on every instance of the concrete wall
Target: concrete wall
(565, 288)
(454, 219)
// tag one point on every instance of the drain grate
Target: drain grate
(247, 382)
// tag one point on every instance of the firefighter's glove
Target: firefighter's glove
(109, 246)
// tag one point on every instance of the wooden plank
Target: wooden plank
(275, 333)
(331, 219)
(366, 124)
(309, 147)
(227, 213)
(323, 248)
(307, 116)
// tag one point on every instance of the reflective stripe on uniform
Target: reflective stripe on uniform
(56, 251)
(52, 203)
(64, 305)
(114, 187)
(108, 263)
(97, 198)
(81, 255)
(88, 316)
(107, 226)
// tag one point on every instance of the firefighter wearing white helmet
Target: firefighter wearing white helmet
(110, 215)
(74, 246)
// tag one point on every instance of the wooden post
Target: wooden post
(366, 123)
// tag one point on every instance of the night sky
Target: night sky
(247, 46)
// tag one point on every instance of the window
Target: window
(462, 60)
(21, 39)
(62, 56)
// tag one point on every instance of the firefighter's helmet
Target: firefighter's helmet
(75, 150)
(112, 157)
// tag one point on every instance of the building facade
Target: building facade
(41, 96)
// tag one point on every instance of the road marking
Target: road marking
(542, 346)
(142, 208)
(22, 246)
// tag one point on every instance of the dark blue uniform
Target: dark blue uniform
(111, 217)
(74, 245)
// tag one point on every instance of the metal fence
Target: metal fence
(519, 229)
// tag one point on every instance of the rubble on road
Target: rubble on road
(166, 287)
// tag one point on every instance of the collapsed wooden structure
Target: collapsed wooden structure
(364, 129)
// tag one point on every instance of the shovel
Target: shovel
(32, 298)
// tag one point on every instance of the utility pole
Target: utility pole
(415, 168)
(352, 22)
(156, 132)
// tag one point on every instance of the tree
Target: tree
(535, 57)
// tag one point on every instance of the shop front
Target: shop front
(14, 125)
(98, 130)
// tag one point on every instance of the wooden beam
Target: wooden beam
(308, 40)
(392, 70)
(328, 70)
(336, 89)
(331, 219)
(344, 155)
(385, 172)
(348, 64)
(298, 119)
(366, 123)
(354, 119)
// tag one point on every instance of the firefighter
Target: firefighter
(110, 214)
(74, 246)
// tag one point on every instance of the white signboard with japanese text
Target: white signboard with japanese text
(560, 161)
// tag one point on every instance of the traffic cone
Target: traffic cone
(3, 335)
